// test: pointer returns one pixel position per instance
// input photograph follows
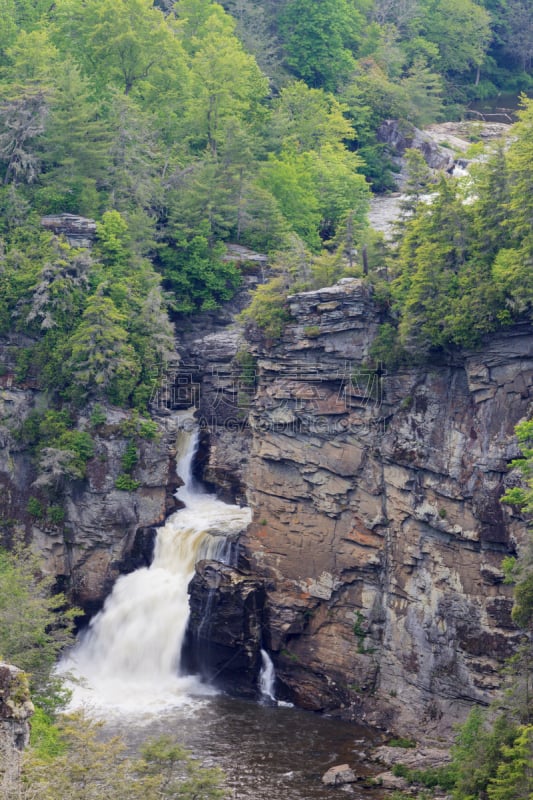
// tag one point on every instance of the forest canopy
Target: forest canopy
(464, 264)
(182, 126)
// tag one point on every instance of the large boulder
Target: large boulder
(400, 136)
(223, 641)
(339, 775)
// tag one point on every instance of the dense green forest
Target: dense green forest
(182, 126)
(463, 266)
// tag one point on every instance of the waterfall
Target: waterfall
(267, 678)
(129, 656)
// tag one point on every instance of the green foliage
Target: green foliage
(463, 268)
(74, 760)
(60, 450)
(432, 778)
(56, 514)
(161, 759)
(35, 508)
(521, 569)
(34, 624)
(514, 777)
(24, 360)
(130, 457)
(289, 177)
(360, 629)
(81, 444)
(99, 328)
(477, 751)
(312, 331)
(161, 125)
(101, 358)
(196, 273)
(148, 429)
(461, 31)
(98, 416)
(318, 38)
(45, 738)
(247, 364)
(268, 309)
(126, 483)
(492, 755)
(386, 346)
(401, 742)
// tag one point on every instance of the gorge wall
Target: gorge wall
(378, 530)
(101, 531)
(372, 567)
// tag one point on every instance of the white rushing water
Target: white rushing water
(128, 659)
(267, 678)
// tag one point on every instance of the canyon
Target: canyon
(371, 572)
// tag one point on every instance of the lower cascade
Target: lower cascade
(129, 658)
(267, 678)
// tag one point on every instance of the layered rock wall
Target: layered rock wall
(378, 526)
(101, 531)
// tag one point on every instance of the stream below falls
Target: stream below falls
(266, 752)
(125, 669)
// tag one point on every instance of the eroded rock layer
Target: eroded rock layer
(377, 517)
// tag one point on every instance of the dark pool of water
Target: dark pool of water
(267, 753)
(501, 108)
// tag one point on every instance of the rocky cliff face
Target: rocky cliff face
(214, 377)
(103, 530)
(378, 528)
(16, 710)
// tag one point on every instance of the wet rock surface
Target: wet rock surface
(212, 348)
(223, 641)
(414, 758)
(400, 136)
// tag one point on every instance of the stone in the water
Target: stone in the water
(339, 775)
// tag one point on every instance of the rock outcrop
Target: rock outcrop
(339, 775)
(378, 527)
(78, 231)
(223, 642)
(213, 377)
(91, 531)
(16, 710)
(399, 136)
